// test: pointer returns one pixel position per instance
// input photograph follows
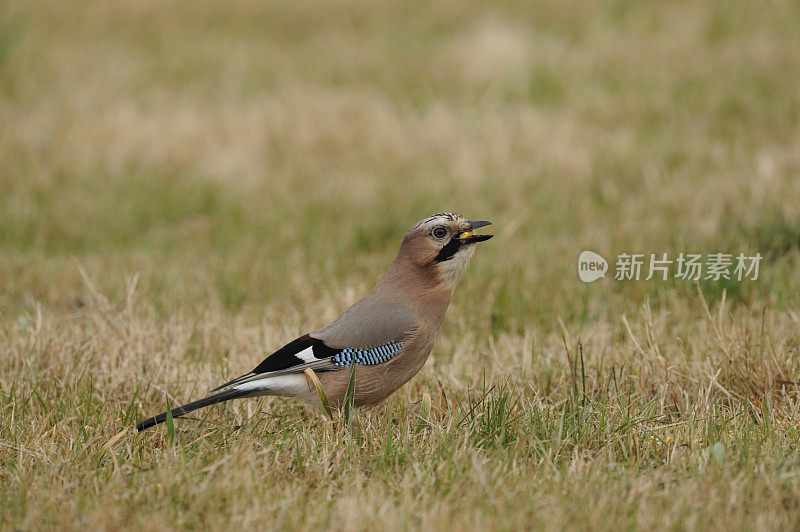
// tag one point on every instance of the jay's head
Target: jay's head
(443, 243)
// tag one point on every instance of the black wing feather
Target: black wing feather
(227, 395)
(285, 358)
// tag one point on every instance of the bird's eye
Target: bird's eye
(439, 232)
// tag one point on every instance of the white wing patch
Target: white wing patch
(307, 355)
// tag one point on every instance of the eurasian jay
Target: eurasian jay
(388, 334)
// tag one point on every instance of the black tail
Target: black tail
(227, 395)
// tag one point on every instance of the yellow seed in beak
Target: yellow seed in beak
(465, 234)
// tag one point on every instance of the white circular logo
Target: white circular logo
(591, 266)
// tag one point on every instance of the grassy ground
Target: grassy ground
(186, 186)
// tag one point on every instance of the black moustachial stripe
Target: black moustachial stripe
(450, 249)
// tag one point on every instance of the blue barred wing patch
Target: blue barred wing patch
(367, 357)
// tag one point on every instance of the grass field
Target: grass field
(186, 186)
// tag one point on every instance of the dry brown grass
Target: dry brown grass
(185, 187)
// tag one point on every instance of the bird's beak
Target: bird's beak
(469, 236)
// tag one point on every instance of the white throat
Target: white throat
(451, 270)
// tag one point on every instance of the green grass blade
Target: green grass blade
(349, 396)
(170, 422)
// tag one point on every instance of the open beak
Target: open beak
(469, 235)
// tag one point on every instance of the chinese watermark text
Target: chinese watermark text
(663, 266)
